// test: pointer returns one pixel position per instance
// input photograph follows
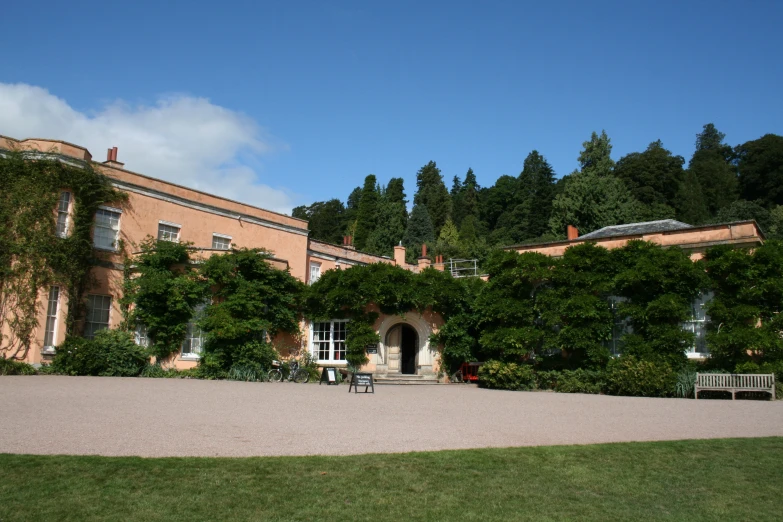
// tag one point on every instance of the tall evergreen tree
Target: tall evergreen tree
(326, 219)
(595, 157)
(395, 193)
(419, 230)
(464, 198)
(689, 202)
(431, 193)
(390, 229)
(536, 185)
(351, 211)
(593, 197)
(711, 165)
(367, 215)
(760, 166)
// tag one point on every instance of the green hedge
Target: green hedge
(572, 381)
(628, 375)
(110, 353)
(12, 367)
(506, 376)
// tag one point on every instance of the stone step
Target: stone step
(406, 379)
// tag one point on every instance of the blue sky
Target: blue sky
(333, 91)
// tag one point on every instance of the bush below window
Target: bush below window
(110, 353)
(506, 376)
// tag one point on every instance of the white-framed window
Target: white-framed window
(327, 340)
(52, 307)
(168, 231)
(98, 310)
(63, 206)
(194, 338)
(315, 272)
(221, 242)
(698, 326)
(106, 231)
(140, 336)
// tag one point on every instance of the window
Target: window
(221, 242)
(328, 341)
(140, 335)
(697, 325)
(62, 213)
(107, 228)
(315, 272)
(168, 232)
(50, 333)
(194, 338)
(98, 308)
(621, 325)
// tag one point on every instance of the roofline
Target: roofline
(636, 236)
(349, 249)
(104, 165)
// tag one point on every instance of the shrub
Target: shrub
(210, 367)
(121, 357)
(76, 356)
(111, 353)
(686, 383)
(506, 376)
(12, 367)
(628, 375)
(240, 372)
(572, 381)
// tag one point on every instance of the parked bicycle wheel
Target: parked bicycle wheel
(275, 375)
(301, 376)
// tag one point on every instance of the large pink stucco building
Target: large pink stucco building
(169, 211)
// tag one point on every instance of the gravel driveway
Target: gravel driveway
(173, 417)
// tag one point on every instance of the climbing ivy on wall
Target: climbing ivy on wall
(351, 294)
(164, 288)
(251, 300)
(32, 256)
(747, 310)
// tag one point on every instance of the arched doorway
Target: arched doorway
(402, 342)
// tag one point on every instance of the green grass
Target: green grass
(730, 479)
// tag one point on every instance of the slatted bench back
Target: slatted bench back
(732, 380)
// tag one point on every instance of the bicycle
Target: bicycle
(295, 373)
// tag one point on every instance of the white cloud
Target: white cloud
(182, 139)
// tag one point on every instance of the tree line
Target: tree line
(720, 184)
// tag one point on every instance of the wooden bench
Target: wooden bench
(734, 382)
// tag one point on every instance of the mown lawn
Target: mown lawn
(731, 479)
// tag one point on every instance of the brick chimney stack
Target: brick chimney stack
(399, 255)
(424, 261)
(572, 232)
(111, 158)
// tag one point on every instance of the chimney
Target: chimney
(439, 265)
(572, 232)
(349, 243)
(111, 158)
(423, 261)
(399, 255)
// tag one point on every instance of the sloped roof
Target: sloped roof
(635, 229)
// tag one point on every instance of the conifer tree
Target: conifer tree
(419, 230)
(367, 215)
(432, 194)
(537, 186)
(711, 165)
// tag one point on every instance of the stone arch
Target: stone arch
(425, 357)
